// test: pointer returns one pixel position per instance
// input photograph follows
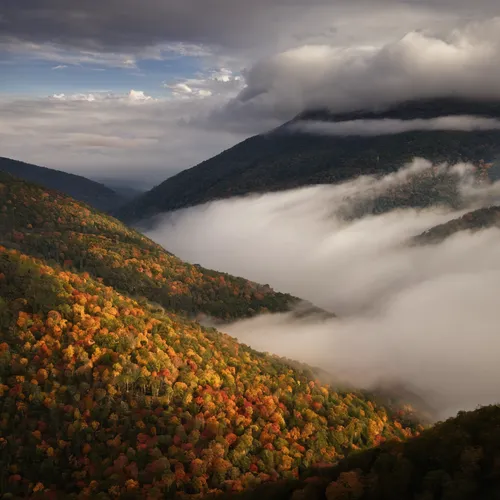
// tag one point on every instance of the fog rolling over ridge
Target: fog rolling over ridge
(392, 126)
(423, 315)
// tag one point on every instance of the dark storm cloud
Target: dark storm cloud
(125, 24)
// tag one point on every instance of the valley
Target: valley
(249, 250)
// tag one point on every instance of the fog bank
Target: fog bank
(390, 126)
(423, 315)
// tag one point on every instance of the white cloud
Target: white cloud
(221, 81)
(390, 126)
(73, 97)
(106, 95)
(139, 95)
(423, 315)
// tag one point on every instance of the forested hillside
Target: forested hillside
(95, 194)
(456, 460)
(105, 393)
(288, 157)
(476, 220)
(50, 225)
(103, 397)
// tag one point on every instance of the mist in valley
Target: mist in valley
(422, 316)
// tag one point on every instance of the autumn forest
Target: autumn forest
(111, 388)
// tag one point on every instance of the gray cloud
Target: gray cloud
(113, 25)
(389, 126)
(422, 315)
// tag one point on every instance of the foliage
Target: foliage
(103, 397)
(52, 226)
(455, 460)
(476, 220)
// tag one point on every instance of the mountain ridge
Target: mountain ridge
(71, 234)
(286, 159)
(475, 220)
(104, 394)
(86, 190)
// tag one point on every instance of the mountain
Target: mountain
(457, 459)
(96, 195)
(126, 192)
(122, 188)
(287, 158)
(104, 394)
(50, 225)
(475, 220)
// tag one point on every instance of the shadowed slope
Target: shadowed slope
(95, 194)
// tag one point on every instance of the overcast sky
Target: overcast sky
(141, 90)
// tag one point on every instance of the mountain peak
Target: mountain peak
(93, 193)
(447, 130)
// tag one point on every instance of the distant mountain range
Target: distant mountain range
(288, 157)
(93, 193)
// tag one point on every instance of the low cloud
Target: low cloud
(390, 126)
(423, 315)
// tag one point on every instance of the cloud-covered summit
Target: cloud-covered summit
(464, 62)
(462, 123)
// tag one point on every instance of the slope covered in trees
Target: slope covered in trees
(286, 159)
(476, 220)
(103, 397)
(52, 226)
(95, 194)
(455, 460)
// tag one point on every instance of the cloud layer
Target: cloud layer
(463, 62)
(116, 25)
(421, 315)
(130, 137)
(389, 126)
